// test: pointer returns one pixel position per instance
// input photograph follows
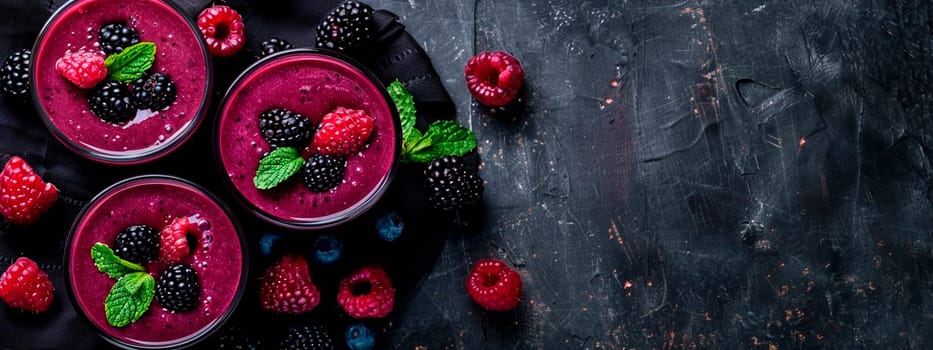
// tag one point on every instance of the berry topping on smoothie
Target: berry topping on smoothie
(84, 68)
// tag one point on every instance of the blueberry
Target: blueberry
(267, 242)
(327, 250)
(360, 337)
(390, 226)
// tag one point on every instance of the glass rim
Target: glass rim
(196, 337)
(136, 158)
(355, 210)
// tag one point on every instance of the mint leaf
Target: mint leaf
(111, 264)
(405, 104)
(443, 138)
(132, 62)
(129, 299)
(276, 167)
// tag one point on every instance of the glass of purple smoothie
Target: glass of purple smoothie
(218, 256)
(313, 83)
(180, 54)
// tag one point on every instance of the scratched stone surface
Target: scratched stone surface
(704, 174)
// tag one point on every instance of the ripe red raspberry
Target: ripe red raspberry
(287, 287)
(493, 285)
(494, 78)
(173, 240)
(343, 132)
(26, 287)
(24, 197)
(84, 68)
(223, 30)
(367, 293)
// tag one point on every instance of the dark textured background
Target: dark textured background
(687, 174)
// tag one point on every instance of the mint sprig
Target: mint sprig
(405, 103)
(443, 137)
(132, 62)
(111, 264)
(129, 299)
(276, 167)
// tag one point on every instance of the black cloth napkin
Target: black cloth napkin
(394, 54)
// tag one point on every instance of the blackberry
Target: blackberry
(115, 37)
(235, 338)
(307, 338)
(137, 243)
(346, 28)
(111, 101)
(451, 185)
(155, 91)
(178, 288)
(14, 75)
(273, 45)
(322, 172)
(284, 128)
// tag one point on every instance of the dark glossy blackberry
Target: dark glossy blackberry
(321, 172)
(115, 37)
(112, 102)
(273, 45)
(450, 184)
(137, 243)
(178, 288)
(307, 338)
(14, 75)
(284, 128)
(154, 91)
(348, 27)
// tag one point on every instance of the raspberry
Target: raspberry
(360, 337)
(112, 102)
(494, 78)
(287, 287)
(84, 68)
(115, 37)
(24, 197)
(137, 243)
(178, 288)
(367, 293)
(322, 172)
(493, 285)
(223, 30)
(327, 250)
(26, 287)
(343, 132)
(154, 92)
(14, 75)
(284, 128)
(450, 184)
(347, 27)
(273, 45)
(307, 338)
(173, 240)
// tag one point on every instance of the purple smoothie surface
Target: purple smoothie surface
(218, 258)
(179, 54)
(313, 85)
